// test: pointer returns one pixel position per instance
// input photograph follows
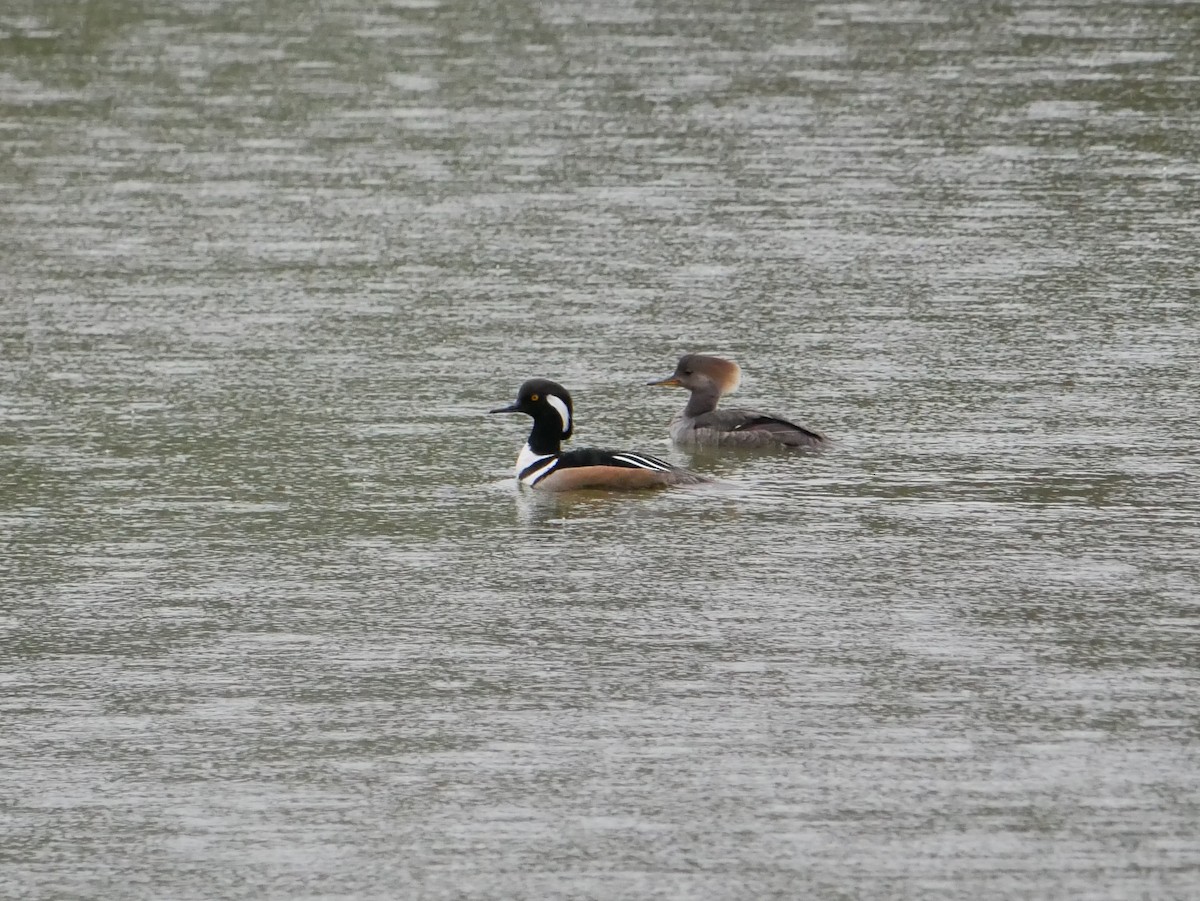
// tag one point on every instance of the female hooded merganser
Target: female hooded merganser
(701, 424)
(543, 464)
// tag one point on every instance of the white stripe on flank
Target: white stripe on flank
(643, 462)
(537, 475)
(563, 413)
(527, 458)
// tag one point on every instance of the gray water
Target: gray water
(277, 624)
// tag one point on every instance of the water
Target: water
(277, 624)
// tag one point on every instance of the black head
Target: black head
(549, 403)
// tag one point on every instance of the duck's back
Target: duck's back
(596, 468)
(734, 427)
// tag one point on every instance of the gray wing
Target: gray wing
(750, 428)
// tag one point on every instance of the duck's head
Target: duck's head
(705, 374)
(549, 403)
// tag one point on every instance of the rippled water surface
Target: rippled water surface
(275, 622)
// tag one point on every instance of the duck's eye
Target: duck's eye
(687, 372)
(534, 398)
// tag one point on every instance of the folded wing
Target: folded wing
(751, 428)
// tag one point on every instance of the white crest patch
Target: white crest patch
(563, 413)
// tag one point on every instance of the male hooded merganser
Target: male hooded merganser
(543, 464)
(701, 424)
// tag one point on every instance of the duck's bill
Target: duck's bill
(511, 408)
(669, 382)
